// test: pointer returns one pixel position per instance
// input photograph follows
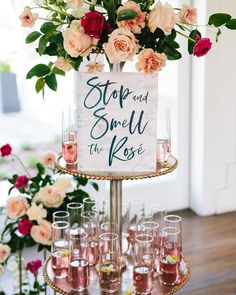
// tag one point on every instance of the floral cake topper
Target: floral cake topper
(74, 30)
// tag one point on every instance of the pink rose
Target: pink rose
(21, 182)
(24, 226)
(150, 61)
(75, 3)
(28, 18)
(5, 251)
(162, 17)
(33, 266)
(95, 67)
(202, 46)
(16, 207)
(136, 24)
(50, 157)
(64, 65)
(42, 233)
(121, 46)
(76, 42)
(188, 15)
(5, 150)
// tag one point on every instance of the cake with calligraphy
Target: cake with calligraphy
(117, 119)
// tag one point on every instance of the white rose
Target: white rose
(36, 212)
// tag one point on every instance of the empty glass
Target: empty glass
(61, 216)
(75, 210)
(89, 204)
(60, 249)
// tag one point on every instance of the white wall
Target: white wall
(213, 114)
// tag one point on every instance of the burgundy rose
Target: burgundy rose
(21, 182)
(33, 266)
(202, 46)
(5, 150)
(24, 226)
(93, 24)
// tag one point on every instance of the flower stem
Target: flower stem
(22, 165)
(20, 270)
(186, 36)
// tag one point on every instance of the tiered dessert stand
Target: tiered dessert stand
(62, 286)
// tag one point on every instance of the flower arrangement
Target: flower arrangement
(29, 210)
(76, 29)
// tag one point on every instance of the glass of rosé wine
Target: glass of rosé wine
(163, 136)
(79, 271)
(60, 249)
(69, 136)
(109, 267)
(143, 265)
(170, 255)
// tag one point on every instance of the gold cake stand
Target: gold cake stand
(116, 178)
(62, 286)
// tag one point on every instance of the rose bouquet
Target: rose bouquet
(76, 29)
(32, 201)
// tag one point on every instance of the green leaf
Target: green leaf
(231, 25)
(126, 14)
(32, 37)
(51, 81)
(171, 53)
(39, 70)
(39, 85)
(191, 44)
(82, 181)
(219, 19)
(40, 168)
(57, 71)
(47, 27)
(43, 41)
(95, 186)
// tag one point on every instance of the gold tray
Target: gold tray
(63, 287)
(168, 167)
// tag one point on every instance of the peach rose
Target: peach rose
(49, 196)
(76, 42)
(150, 61)
(136, 24)
(162, 17)
(36, 212)
(49, 157)
(63, 64)
(28, 18)
(63, 185)
(42, 233)
(188, 15)
(5, 251)
(16, 207)
(95, 67)
(121, 46)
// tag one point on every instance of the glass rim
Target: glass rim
(66, 213)
(74, 205)
(92, 213)
(88, 200)
(175, 218)
(102, 236)
(175, 231)
(144, 224)
(74, 237)
(56, 225)
(149, 238)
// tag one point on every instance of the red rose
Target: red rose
(33, 266)
(21, 182)
(24, 226)
(5, 150)
(93, 24)
(202, 46)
